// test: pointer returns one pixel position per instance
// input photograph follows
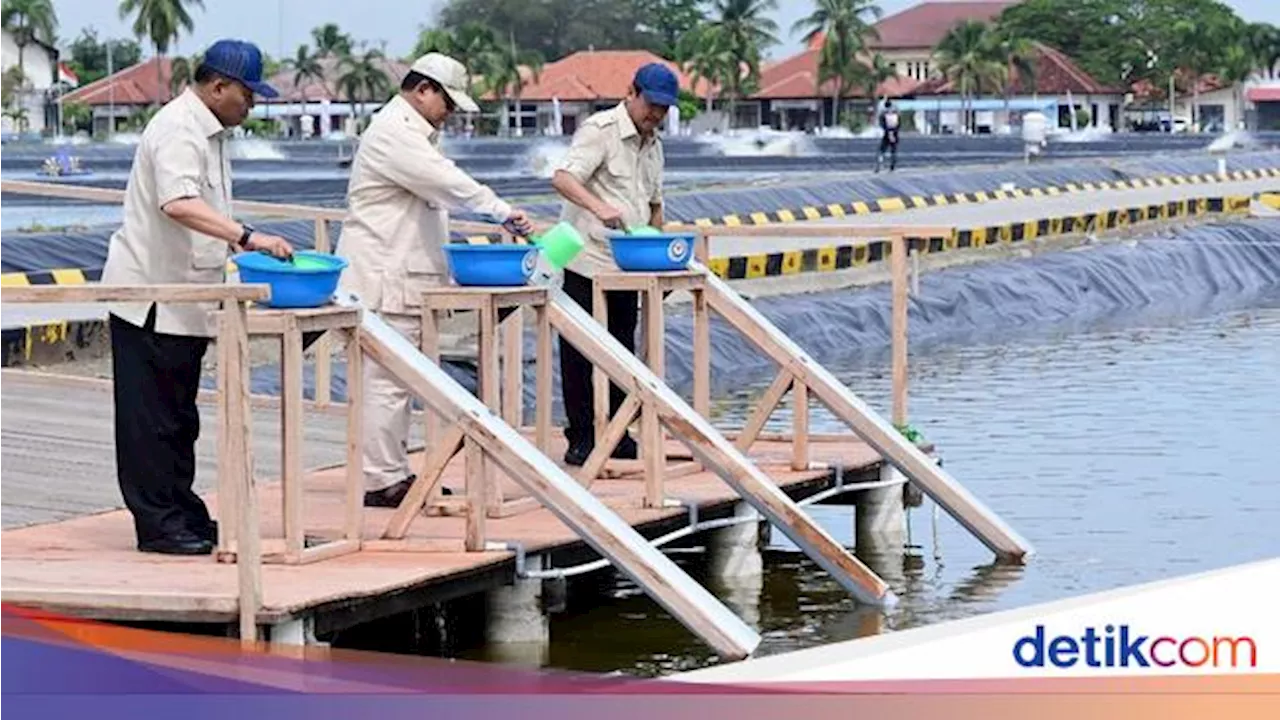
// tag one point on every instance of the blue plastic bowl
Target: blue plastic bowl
(307, 282)
(652, 253)
(491, 265)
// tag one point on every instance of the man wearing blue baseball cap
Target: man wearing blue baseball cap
(611, 178)
(178, 228)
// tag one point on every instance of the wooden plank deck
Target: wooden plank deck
(87, 565)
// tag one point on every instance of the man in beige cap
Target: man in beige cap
(398, 199)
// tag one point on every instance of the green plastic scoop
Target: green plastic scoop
(560, 245)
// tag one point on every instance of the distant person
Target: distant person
(398, 202)
(889, 122)
(177, 229)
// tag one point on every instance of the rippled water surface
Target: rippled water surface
(1124, 456)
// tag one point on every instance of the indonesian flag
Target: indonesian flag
(66, 76)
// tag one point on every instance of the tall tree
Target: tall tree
(505, 77)
(161, 22)
(182, 72)
(330, 40)
(1262, 40)
(363, 78)
(1238, 65)
(705, 56)
(967, 58)
(745, 32)
(668, 21)
(845, 27)
(306, 67)
(89, 56)
(28, 21)
(555, 28)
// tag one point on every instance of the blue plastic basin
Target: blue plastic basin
(491, 265)
(652, 253)
(307, 282)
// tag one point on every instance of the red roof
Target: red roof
(313, 90)
(1269, 93)
(797, 77)
(1145, 90)
(135, 85)
(924, 25)
(598, 75)
(1055, 75)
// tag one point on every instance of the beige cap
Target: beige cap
(452, 76)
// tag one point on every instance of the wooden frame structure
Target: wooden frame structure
(807, 377)
(236, 487)
(290, 326)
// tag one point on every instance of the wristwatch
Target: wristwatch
(243, 243)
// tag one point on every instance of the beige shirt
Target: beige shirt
(613, 161)
(398, 199)
(182, 154)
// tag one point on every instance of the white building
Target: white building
(37, 96)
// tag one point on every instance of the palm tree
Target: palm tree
(1238, 65)
(330, 40)
(28, 21)
(705, 56)
(1017, 54)
(1262, 40)
(874, 74)
(161, 22)
(182, 72)
(505, 79)
(745, 32)
(363, 78)
(845, 26)
(306, 68)
(966, 58)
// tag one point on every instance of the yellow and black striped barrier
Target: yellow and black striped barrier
(843, 257)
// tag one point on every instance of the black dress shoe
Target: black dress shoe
(184, 543)
(394, 495)
(578, 453)
(209, 532)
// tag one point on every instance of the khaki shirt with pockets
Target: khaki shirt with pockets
(398, 199)
(609, 157)
(182, 154)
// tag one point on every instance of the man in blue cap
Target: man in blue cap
(178, 228)
(612, 179)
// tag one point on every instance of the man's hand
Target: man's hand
(518, 223)
(273, 244)
(610, 216)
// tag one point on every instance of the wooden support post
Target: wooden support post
(323, 347)
(355, 436)
(898, 262)
(430, 346)
(228, 485)
(701, 354)
(291, 420)
(653, 448)
(477, 510)
(800, 426)
(542, 385)
(513, 369)
(239, 461)
(600, 381)
(487, 375)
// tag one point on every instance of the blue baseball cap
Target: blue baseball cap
(657, 84)
(240, 61)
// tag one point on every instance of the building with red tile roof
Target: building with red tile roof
(126, 92)
(582, 83)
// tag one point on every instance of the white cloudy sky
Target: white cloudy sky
(278, 26)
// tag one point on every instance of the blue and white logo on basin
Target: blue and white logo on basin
(529, 262)
(678, 250)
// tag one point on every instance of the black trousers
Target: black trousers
(575, 370)
(157, 378)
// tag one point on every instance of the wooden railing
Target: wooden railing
(235, 451)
